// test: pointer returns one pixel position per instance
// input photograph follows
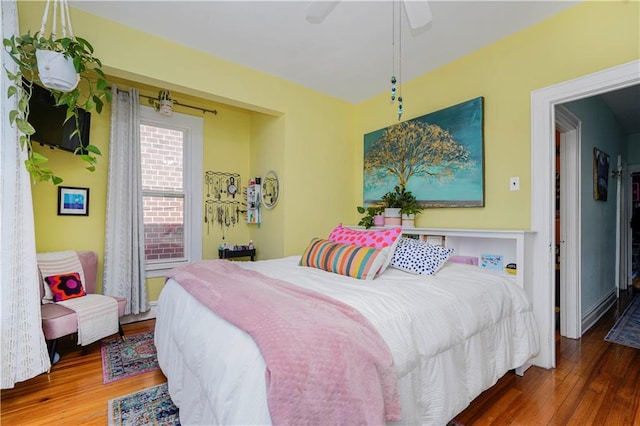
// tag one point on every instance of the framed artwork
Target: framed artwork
(600, 174)
(73, 201)
(494, 262)
(439, 157)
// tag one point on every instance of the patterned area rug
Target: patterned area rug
(151, 406)
(134, 356)
(626, 331)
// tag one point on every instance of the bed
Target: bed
(452, 335)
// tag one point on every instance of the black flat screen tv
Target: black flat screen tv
(48, 121)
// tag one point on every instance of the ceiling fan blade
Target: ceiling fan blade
(418, 13)
(317, 10)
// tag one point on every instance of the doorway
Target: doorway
(543, 104)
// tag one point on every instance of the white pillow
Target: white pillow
(419, 257)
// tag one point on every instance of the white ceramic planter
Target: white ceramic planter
(56, 71)
(408, 221)
(392, 216)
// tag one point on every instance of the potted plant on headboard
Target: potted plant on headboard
(392, 203)
(409, 209)
(401, 207)
(373, 216)
(69, 55)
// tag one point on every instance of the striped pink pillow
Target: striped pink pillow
(344, 259)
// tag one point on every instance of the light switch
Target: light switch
(514, 184)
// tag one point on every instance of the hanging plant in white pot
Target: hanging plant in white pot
(56, 70)
(58, 64)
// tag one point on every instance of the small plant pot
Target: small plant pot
(408, 221)
(392, 216)
(378, 220)
(56, 71)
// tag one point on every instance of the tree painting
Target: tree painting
(438, 157)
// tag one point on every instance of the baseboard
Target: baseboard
(595, 313)
(150, 314)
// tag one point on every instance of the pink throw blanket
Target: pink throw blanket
(326, 364)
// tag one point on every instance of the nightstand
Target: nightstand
(229, 254)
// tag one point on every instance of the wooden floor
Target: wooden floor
(594, 383)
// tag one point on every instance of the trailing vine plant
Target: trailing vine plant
(22, 49)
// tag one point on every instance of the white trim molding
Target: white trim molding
(570, 223)
(150, 314)
(543, 102)
(596, 312)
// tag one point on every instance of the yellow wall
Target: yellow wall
(296, 131)
(314, 142)
(589, 37)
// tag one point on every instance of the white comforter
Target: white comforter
(452, 336)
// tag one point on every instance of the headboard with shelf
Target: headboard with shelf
(513, 245)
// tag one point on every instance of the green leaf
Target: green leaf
(91, 168)
(102, 84)
(85, 43)
(93, 148)
(56, 180)
(38, 158)
(77, 63)
(99, 104)
(12, 90)
(24, 126)
(23, 103)
(11, 76)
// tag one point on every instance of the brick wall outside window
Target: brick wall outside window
(162, 171)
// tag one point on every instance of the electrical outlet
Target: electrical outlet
(514, 184)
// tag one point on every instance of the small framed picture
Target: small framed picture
(73, 201)
(492, 261)
(600, 174)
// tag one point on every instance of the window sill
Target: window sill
(154, 270)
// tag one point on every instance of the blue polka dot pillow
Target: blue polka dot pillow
(419, 257)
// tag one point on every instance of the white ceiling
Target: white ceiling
(348, 56)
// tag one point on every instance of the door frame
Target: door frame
(628, 215)
(570, 130)
(543, 102)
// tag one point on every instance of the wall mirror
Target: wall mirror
(270, 189)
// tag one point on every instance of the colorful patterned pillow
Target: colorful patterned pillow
(419, 257)
(344, 259)
(65, 286)
(380, 238)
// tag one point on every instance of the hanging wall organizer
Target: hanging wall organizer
(222, 206)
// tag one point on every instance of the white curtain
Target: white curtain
(23, 347)
(124, 261)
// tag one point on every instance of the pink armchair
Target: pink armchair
(58, 321)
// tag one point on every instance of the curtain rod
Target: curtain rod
(212, 111)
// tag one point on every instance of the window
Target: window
(171, 161)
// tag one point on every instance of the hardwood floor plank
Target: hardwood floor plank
(594, 383)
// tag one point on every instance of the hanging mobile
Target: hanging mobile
(393, 88)
(400, 109)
